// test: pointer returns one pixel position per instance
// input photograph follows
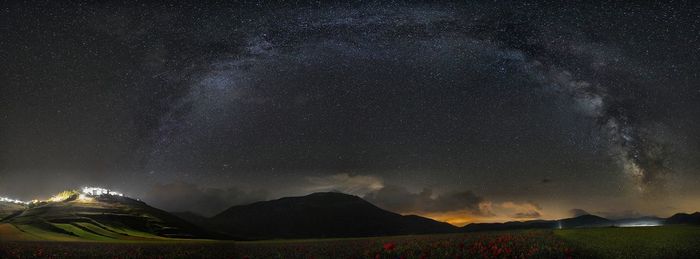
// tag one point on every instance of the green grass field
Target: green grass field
(77, 232)
(640, 242)
(92, 241)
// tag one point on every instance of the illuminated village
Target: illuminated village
(86, 194)
(97, 191)
(5, 199)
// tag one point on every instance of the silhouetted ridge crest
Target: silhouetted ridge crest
(326, 214)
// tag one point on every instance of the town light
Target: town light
(4, 199)
(97, 191)
(84, 198)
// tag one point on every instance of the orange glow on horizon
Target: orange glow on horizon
(462, 217)
(457, 218)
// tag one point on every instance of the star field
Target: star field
(466, 111)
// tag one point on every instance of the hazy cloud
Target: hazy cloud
(578, 212)
(523, 210)
(527, 215)
(620, 214)
(400, 199)
(345, 183)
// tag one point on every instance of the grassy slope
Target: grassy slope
(108, 221)
(7, 208)
(642, 242)
(10, 232)
(76, 232)
(79, 232)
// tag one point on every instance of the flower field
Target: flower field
(116, 250)
(522, 244)
(656, 242)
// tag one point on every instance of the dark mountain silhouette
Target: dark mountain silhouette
(320, 215)
(684, 218)
(105, 216)
(192, 217)
(586, 221)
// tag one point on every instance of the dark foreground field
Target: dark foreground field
(648, 242)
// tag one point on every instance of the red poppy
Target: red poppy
(389, 246)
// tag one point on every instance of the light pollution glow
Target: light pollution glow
(5, 199)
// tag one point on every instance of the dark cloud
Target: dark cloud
(400, 199)
(527, 215)
(345, 183)
(522, 210)
(578, 212)
(181, 196)
(621, 214)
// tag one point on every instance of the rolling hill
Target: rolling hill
(586, 221)
(684, 218)
(575, 222)
(320, 215)
(8, 208)
(104, 217)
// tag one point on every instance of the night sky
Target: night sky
(469, 111)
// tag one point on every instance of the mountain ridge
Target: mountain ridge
(316, 215)
(684, 218)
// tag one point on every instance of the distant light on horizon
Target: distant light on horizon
(641, 224)
(5, 199)
(84, 198)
